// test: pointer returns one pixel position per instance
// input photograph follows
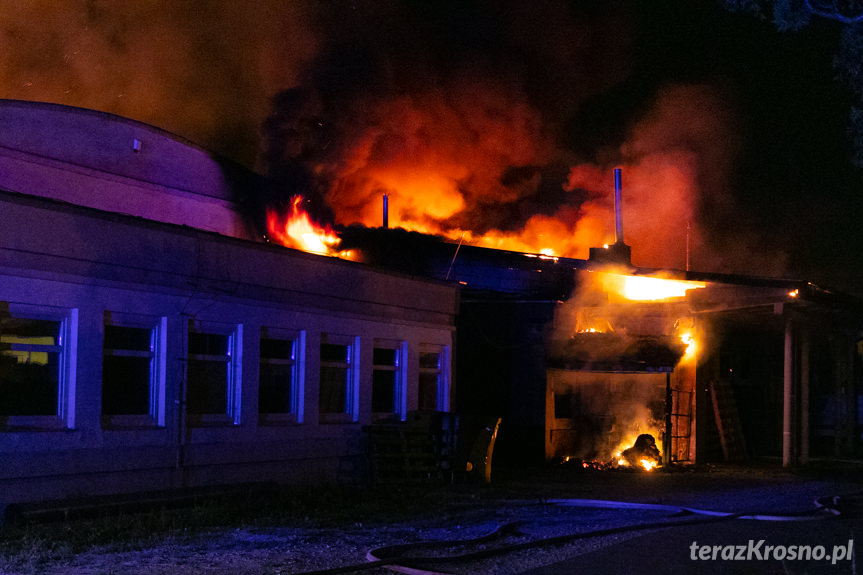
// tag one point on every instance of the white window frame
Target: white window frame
(64, 418)
(298, 375)
(400, 369)
(351, 413)
(158, 327)
(234, 359)
(442, 393)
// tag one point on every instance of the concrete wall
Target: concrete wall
(80, 263)
(110, 163)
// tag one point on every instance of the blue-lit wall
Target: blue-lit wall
(74, 264)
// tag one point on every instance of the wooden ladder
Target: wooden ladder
(727, 421)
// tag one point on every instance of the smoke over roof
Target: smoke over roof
(497, 123)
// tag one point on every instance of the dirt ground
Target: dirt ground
(332, 533)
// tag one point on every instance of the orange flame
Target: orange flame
(297, 230)
(648, 464)
(688, 338)
(646, 288)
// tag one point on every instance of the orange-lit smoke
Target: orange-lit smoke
(466, 133)
(205, 74)
(444, 157)
(440, 157)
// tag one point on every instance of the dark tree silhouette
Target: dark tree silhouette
(791, 15)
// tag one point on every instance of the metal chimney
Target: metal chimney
(617, 253)
(618, 219)
(386, 222)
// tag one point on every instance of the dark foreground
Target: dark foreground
(551, 520)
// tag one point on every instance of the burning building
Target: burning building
(150, 339)
(581, 357)
(154, 335)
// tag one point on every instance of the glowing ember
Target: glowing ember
(297, 230)
(648, 464)
(645, 288)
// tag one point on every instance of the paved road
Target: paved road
(757, 547)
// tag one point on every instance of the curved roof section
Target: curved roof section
(115, 164)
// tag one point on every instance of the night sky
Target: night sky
(522, 109)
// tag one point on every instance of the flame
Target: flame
(636, 427)
(297, 230)
(648, 464)
(646, 288)
(688, 338)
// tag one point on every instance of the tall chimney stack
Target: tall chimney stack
(386, 218)
(617, 253)
(618, 219)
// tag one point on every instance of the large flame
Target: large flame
(297, 230)
(646, 288)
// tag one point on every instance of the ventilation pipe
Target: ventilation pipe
(618, 219)
(617, 253)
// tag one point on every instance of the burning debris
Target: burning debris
(643, 455)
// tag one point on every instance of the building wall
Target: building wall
(94, 159)
(89, 268)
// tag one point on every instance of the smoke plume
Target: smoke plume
(479, 120)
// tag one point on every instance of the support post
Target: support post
(787, 396)
(804, 397)
(850, 397)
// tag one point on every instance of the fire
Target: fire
(638, 450)
(688, 338)
(648, 464)
(297, 230)
(646, 288)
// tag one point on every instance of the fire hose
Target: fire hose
(392, 556)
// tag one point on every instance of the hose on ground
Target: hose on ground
(391, 557)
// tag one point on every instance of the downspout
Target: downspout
(181, 407)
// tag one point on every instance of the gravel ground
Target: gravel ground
(450, 513)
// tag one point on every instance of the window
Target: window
(37, 366)
(280, 389)
(213, 373)
(433, 393)
(133, 370)
(338, 388)
(388, 394)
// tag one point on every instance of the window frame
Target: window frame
(400, 384)
(233, 360)
(298, 369)
(158, 326)
(67, 347)
(350, 414)
(442, 393)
